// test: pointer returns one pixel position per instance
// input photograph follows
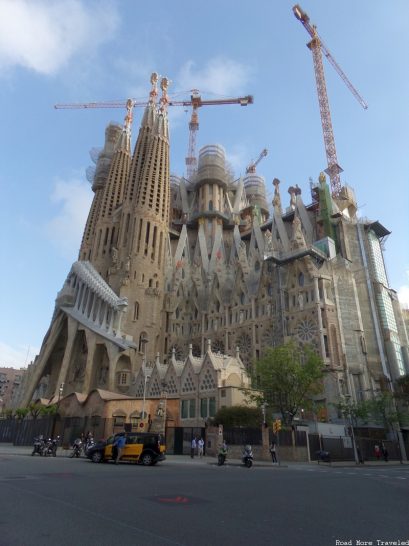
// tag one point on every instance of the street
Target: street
(196, 503)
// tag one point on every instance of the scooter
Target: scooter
(38, 445)
(247, 456)
(50, 447)
(88, 444)
(76, 448)
(221, 458)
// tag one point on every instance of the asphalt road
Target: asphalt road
(63, 501)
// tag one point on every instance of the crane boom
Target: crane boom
(195, 102)
(317, 48)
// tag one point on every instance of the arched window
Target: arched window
(136, 311)
(143, 339)
(210, 205)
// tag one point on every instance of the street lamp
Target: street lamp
(144, 342)
(60, 391)
(165, 397)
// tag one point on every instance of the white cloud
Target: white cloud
(43, 36)
(66, 229)
(16, 357)
(403, 295)
(220, 75)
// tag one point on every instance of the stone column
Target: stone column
(91, 343)
(319, 318)
(72, 330)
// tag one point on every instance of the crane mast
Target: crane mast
(317, 47)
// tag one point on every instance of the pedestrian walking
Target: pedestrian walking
(273, 452)
(377, 451)
(200, 447)
(120, 444)
(193, 447)
(385, 453)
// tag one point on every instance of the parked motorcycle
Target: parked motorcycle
(247, 456)
(221, 458)
(88, 444)
(76, 448)
(38, 445)
(50, 447)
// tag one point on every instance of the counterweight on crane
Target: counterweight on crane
(317, 48)
(195, 102)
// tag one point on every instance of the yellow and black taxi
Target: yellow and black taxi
(144, 448)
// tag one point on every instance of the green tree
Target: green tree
(383, 410)
(353, 411)
(35, 409)
(287, 377)
(21, 413)
(49, 410)
(239, 416)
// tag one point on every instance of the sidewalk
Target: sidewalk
(12, 450)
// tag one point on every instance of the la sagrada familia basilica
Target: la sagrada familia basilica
(167, 263)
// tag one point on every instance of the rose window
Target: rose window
(306, 330)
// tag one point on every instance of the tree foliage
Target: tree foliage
(35, 409)
(353, 411)
(238, 416)
(382, 409)
(287, 377)
(20, 413)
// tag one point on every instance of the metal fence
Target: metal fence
(242, 436)
(289, 437)
(340, 448)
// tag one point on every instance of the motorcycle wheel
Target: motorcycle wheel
(249, 463)
(220, 460)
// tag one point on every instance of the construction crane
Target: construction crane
(318, 47)
(251, 168)
(195, 102)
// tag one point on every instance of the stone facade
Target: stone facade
(188, 393)
(168, 262)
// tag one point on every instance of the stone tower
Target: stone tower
(137, 271)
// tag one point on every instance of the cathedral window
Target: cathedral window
(160, 248)
(136, 311)
(207, 407)
(155, 231)
(148, 228)
(188, 409)
(139, 235)
(210, 205)
(125, 238)
(326, 346)
(123, 378)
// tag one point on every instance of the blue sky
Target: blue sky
(67, 51)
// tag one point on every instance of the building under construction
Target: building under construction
(167, 262)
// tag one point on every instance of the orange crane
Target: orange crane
(251, 168)
(318, 47)
(195, 102)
